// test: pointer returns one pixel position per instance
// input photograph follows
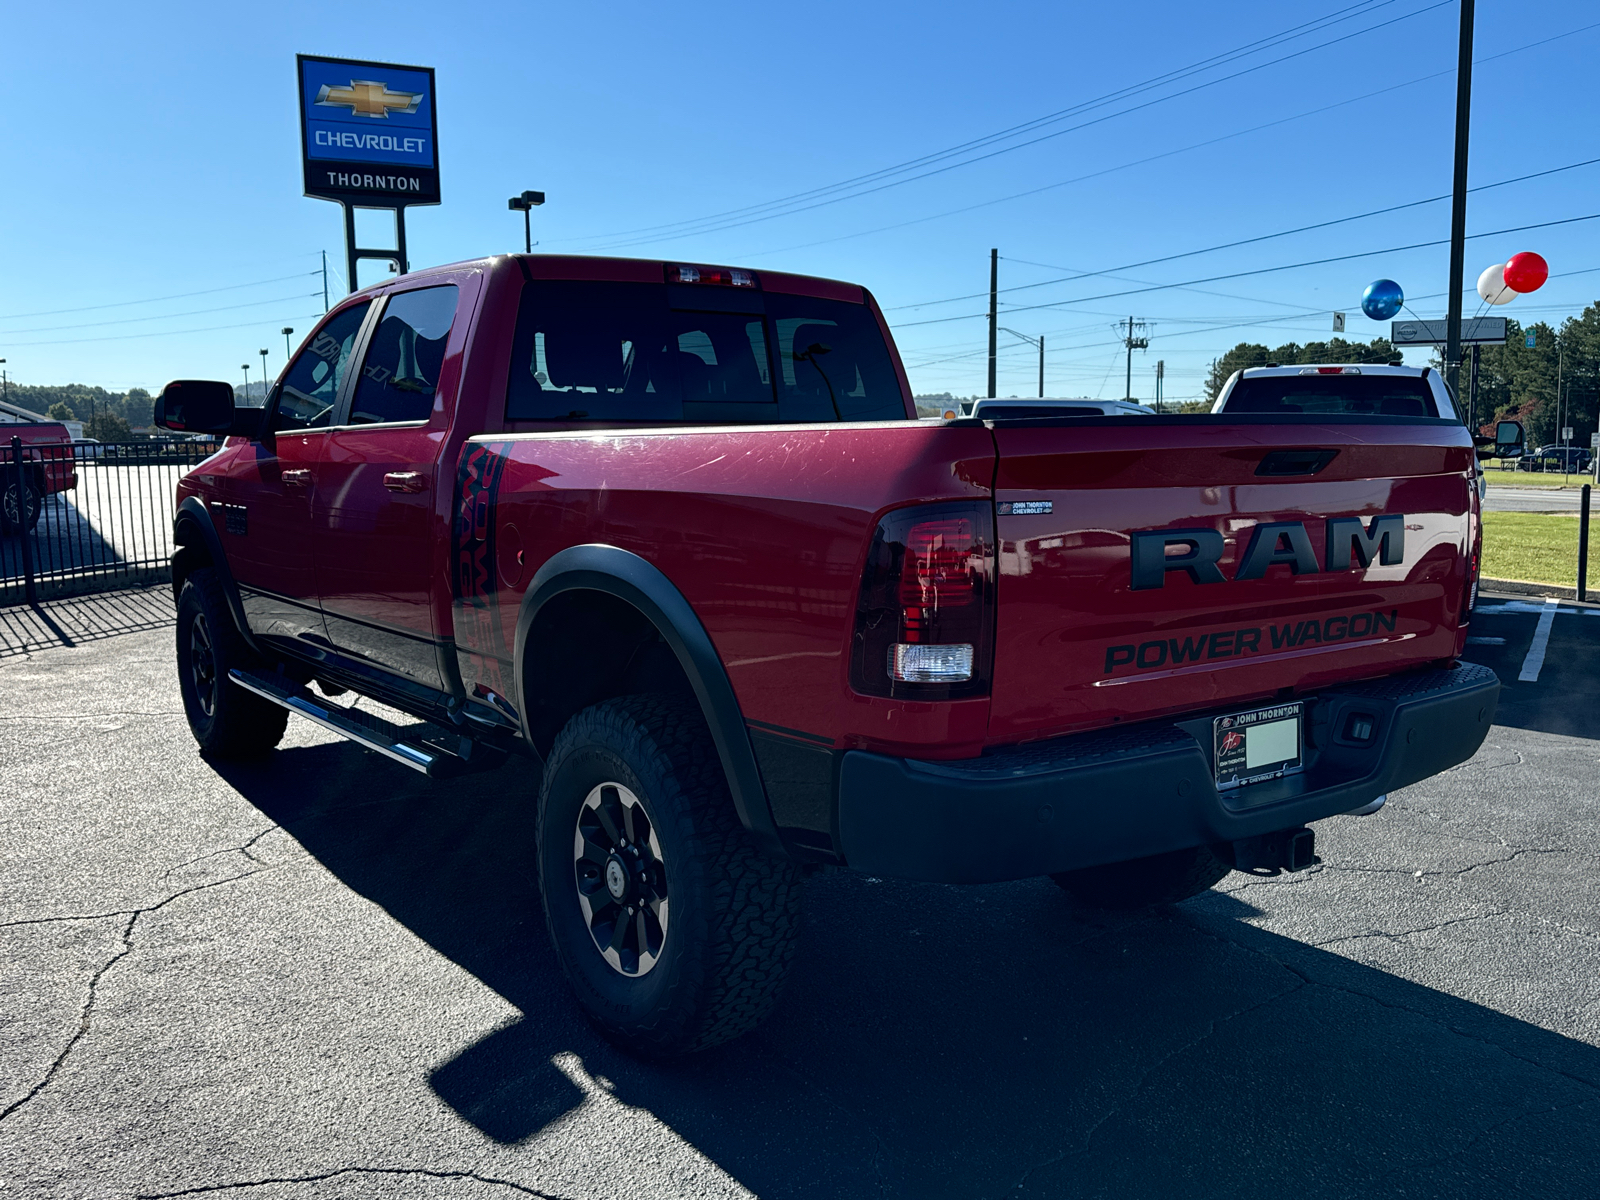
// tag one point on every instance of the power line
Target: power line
(194, 312)
(716, 224)
(1359, 9)
(1139, 162)
(1314, 262)
(122, 337)
(232, 287)
(1265, 237)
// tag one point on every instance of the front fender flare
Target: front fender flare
(602, 568)
(192, 526)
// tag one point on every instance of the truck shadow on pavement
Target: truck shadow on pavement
(941, 1041)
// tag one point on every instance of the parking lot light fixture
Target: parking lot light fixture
(287, 330)
(525, 204)
(245, 367)
(263, 375)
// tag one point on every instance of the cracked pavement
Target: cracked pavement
(322, 976)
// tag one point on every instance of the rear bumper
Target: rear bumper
(1115, 795)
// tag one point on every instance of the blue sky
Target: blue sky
(152, 152)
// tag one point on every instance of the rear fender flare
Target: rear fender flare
(192, 526)
(623, 574)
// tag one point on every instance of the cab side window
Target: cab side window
(310, 387)
(401, 373)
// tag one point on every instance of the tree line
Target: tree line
(106, 416)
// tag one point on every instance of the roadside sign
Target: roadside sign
(1338, 322)
(1594, 441)
(369, 132)
(1528, 341)
(1566, 433)
(1482, 331)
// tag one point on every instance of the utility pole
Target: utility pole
(1133, 343)
(994, 313)
(1032, 341)
(1161, 373)
(1041, 366)
(1458, 202)
(324, 281)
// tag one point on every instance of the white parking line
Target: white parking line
(1541, 639)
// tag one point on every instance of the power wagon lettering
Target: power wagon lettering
(1231, 643)
(1348, 541)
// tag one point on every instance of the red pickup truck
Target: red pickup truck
(674, 534)
(48, 467)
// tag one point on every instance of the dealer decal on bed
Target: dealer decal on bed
(1234, 643)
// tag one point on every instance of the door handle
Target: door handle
(405, 481)
(296, 477)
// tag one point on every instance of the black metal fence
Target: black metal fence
(89, 517)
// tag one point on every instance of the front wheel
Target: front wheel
(226, 720)
(1144, 882)
(673, 929)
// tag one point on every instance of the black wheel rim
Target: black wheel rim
(621, 879)
(202, 665)
(21, 503)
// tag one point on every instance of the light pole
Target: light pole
(525, 204)
(263, 376)
(245, 367)
(287, 330)
(5, 383)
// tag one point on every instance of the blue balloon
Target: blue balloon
(1382, 299)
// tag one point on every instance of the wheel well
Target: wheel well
(587, 646)
(186, 559)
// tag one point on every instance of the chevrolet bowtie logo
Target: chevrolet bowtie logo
(365, 98)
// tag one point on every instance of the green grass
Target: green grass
(1534, 547)
(1535, 479)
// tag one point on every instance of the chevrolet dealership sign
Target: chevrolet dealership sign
(369, 132)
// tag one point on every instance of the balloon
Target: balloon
(1526, 272)
(1492, 285)
(1382, 299)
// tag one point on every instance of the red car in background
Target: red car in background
(48, 467)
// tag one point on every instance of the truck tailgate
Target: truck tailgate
(1098, 621)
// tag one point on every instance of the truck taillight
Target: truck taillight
(925, 614)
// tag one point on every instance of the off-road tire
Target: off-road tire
(20, 507)
(735, 912)
(226, 720)
(1145, 882)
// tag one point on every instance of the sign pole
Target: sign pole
(369, 139)
(1472, 392)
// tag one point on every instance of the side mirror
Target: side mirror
(1508, 440)
(204, 406)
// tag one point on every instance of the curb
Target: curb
(1521, 587)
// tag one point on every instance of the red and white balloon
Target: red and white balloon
(1518, 275)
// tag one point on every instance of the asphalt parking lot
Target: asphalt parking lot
(322, 976)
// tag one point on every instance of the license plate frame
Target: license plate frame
(1236, 763)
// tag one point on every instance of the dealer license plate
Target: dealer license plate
(1261, 744)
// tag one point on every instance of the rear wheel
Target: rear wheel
(675, 932)
(20, 504)
(1144, 882)
(226, 720)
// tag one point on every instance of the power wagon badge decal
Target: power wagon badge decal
(485, 656)
(1236, 643)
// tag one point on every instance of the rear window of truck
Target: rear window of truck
(1352, 395)
(654, 353)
